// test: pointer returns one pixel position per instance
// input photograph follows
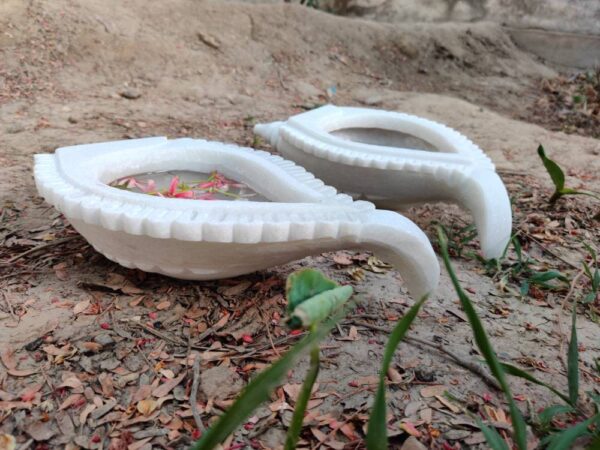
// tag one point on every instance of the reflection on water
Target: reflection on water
(388, 138)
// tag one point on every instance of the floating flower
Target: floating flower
(173, 185)
(209, 189)
(150, 187)
(184, 194)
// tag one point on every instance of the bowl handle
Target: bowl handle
(268, 131)
(403, 244)
(483, 193)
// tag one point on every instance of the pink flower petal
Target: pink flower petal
(150, 186)
(173, 185)
(185, 194)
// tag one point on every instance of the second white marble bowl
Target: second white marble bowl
(394, 159)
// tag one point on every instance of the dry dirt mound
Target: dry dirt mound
(194, 51)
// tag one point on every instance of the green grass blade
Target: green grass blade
(485, 347)
(377, 430)
(546, 416)
(568, 191)
(295, 428)
(573, 360)
(554, 170)
(516, 372)
(564, 439)
(492, 437)
(259, 390)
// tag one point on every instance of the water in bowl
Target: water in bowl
(188, 185)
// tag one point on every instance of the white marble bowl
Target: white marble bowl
(196, 239)
(395, 159)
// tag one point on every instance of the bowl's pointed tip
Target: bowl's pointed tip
(268, 131)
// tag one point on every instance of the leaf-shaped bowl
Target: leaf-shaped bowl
(195, 239)
(395, 159)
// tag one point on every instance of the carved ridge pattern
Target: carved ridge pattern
(335, 217)
(339, 153)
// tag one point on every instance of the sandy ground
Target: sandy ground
(91, 71)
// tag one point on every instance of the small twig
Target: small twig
(475, 368)
(23, 272)
(189, 344)
(48, 382)
(561, 340)
(160, 335)
(10, 307)
(145, 358)
(358, 390)
(268, 327)
(509, 171)
(194, 394)
(548, 250)
(26, 445)
(41, 247)
(280, 78)
(210, 331)
(572, 289)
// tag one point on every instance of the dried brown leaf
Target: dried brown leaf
(81, 306)
(21, 373)
(394, 375)
(73, 383)
(237, 289)
(55, 351)
(368, 380)
(349, 431)
(147, 407)
(6, 396)
(92, 346)
(136, 301)
(343, 259)
(71, 400)
(292, 390)
(352, 335)
(410, 429)
(86, 412)
(7, 442)
(163, 305)
(7, 406)
(40, 431)
(29, 393)
(432, 391)
(448, 404)
(106, 382)
(143, 392)
(8, 358)
(168, 386)
(139, 444)
(64, 423)
(321, 437)
(426, 415)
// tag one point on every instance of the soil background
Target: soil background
(76, 72)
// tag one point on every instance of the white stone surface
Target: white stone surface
(195, 239)
(350, 149)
